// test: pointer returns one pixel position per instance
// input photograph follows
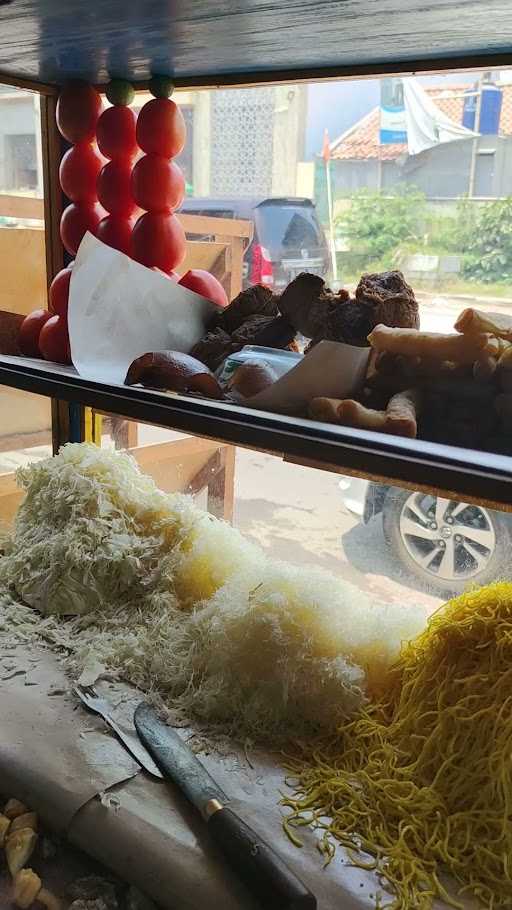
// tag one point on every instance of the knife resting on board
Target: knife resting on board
(257, 864)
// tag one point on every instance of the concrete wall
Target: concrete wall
(441, 173)
(18, 117)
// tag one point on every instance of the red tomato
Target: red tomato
(59, 292)
(159, 240)
(158, 184)
(161, 128)
(115, 133)
(54, 340)
(78, 172)
(76, 220)
(201, 282)
(78, 108)
(116, 231)
(30, 328)
(114, 188)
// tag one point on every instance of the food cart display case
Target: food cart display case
(43, 45)
(213, 45)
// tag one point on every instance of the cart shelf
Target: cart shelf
(209, 41)
(469, 474)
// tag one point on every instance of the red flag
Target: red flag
(326, 148)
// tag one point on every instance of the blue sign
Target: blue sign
(393, 126)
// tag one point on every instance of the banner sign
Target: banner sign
(393, 127)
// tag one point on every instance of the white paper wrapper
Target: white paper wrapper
(119, 309)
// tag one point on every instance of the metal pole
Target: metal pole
(331, 221)
(474, 148)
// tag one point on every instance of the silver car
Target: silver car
(446, 545)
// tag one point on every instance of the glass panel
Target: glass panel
(25, 436)
(394, 544)
(25, 419)
(22, 246)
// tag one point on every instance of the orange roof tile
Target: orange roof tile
(361, 141)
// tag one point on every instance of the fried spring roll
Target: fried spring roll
(347, 412)
(474, 322)
(458, 348)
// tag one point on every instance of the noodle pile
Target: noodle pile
(422, 779)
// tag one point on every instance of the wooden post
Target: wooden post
(71, 422)
(51, 146)
(237, 261)
(474, 146)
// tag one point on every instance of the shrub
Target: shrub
(488, 243)
(377, 223)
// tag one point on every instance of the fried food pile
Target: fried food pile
(452, 388)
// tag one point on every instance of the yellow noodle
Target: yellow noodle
(422, 778)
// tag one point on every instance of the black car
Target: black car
(288, 238)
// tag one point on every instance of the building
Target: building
(480, 168)
(20, 142)
(240, 142)
(244, 142)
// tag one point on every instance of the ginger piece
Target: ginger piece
(5, 824)
(324, 409)
(49, 900)
(458, 348)
(402, 412)
(398, 418)
(484, 368)
(475, 322)
(14, 807)
(27, 886)
(27, 820)
(19, 848)
(347, 412)
(353, 414)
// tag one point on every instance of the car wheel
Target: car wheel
(447, 545)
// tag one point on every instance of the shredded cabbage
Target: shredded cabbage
(178, 602)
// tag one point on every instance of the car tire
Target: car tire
(469, 563)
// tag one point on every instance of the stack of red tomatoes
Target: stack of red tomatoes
(157, 183)
(123, 187)
(115, 133)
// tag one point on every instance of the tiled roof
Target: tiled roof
(361, 141)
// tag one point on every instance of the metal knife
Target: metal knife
(257, 864)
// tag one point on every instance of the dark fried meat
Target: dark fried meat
(391, 298)
(319, 314)
(255, 301)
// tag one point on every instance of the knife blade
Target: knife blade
(255, 861)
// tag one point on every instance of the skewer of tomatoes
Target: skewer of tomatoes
(158, 185)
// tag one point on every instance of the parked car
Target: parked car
(445, 544)
(288, 238)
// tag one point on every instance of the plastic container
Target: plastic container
(280, 361)
(490, 110)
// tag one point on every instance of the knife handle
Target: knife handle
(257, 864)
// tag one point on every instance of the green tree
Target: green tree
(488, 243)
(377, 223)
